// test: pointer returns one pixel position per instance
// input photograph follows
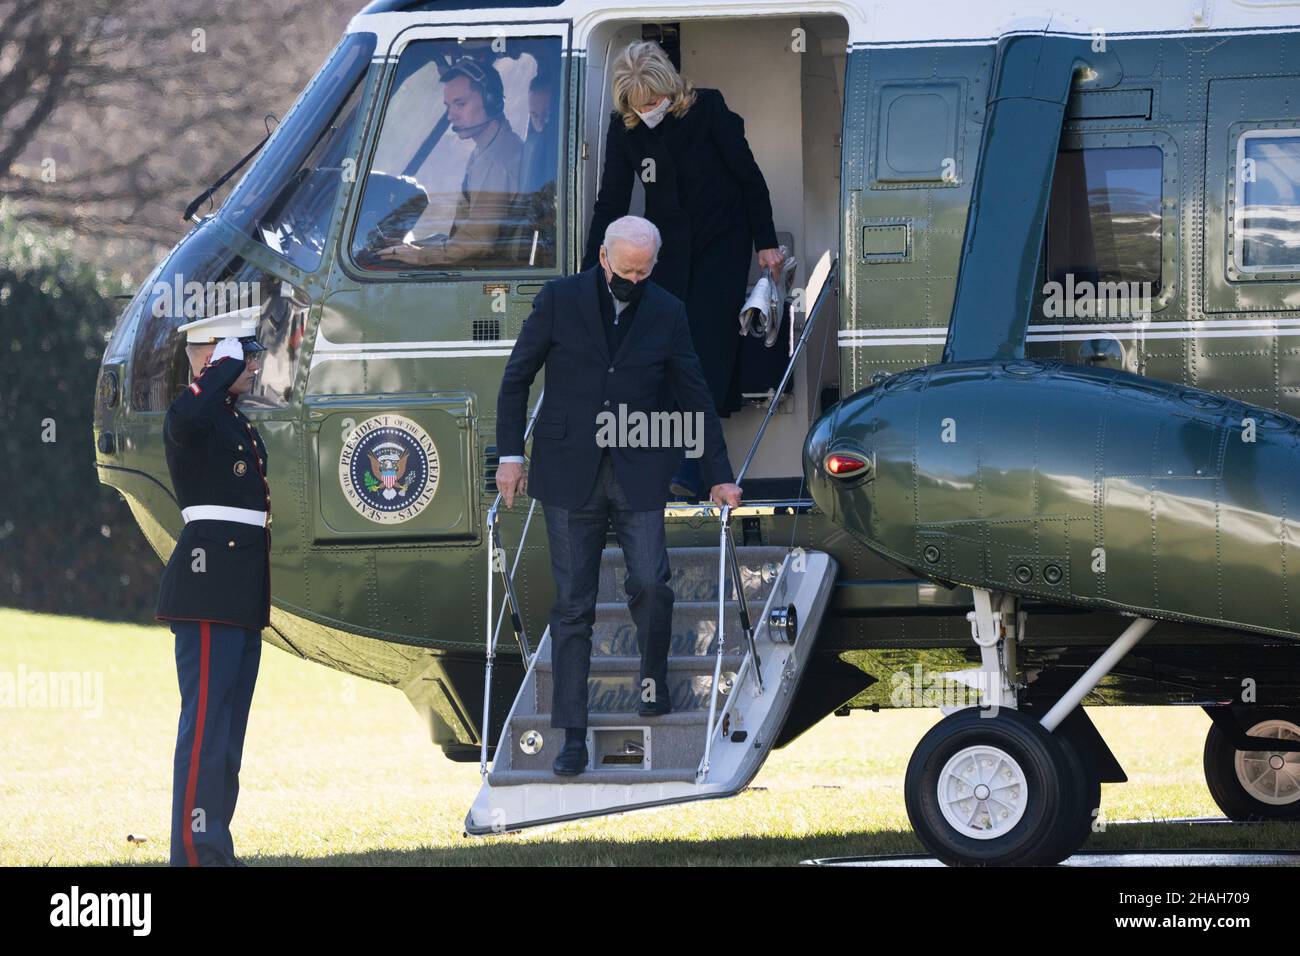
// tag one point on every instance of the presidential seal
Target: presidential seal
(388, 469)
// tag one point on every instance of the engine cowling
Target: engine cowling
(1073, 484)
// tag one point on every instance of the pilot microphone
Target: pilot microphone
(472, 130)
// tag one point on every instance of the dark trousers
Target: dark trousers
(216, 666)
(577, 537)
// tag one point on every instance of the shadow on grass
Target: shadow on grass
(554, 849)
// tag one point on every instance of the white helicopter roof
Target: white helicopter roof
(897, 23)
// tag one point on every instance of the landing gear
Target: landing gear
(1255, 785)
(998, 790)
(993, 786)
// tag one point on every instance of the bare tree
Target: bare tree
(114, 113)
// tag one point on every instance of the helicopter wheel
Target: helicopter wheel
(997, 791)
(1255, 785)
(1086, 784)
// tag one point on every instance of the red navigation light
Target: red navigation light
(844, 464)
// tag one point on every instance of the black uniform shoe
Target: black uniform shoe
(655, 708)
(572, 759)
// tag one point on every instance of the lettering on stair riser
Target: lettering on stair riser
(619, 696)
(694, 642)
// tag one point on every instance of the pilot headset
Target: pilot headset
(486, 78)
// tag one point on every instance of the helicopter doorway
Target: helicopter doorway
(785, 77)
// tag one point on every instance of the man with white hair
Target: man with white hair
(614, 346)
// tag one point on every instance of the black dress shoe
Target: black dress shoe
(656, 708)
(572, 759)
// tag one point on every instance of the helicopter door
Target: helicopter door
(905, 201)
(458, 219)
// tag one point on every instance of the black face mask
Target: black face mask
(624, 289)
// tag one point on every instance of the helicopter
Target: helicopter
(1025, 444)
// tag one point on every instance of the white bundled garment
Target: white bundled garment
(760, 316)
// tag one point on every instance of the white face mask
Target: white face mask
(652, 118)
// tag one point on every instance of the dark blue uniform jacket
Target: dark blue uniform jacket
(220, 570)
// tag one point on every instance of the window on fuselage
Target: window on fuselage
(1104, 221)
(1267, 225)
(461, 180)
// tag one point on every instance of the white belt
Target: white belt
(223, 513)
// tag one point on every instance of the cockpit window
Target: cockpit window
(286, 199)
(466, 167)
(202, 279)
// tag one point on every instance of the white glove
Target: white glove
(229, 347)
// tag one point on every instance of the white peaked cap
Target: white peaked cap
(241, 323)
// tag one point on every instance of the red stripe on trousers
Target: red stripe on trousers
(192, 784)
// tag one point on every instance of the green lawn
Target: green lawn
(337, 771)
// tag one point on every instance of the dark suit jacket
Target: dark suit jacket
(706, 185)
(216, 457)
(654, 370)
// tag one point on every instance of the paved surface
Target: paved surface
(1096, 858)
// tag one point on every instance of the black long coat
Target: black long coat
(708, 197)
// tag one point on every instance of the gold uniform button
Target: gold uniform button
(241, 468)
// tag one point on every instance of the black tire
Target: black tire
(1050, 803)
(1228, 788)
(1084, 783)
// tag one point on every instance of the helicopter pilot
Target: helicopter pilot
(216, 588)
(475, 100)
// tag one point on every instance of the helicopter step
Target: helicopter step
(624, 748)
(637, 761)
(612, 685)
(695, 574)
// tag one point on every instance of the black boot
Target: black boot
(663, 704)
(572, 759)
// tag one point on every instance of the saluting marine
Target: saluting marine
(216, 588)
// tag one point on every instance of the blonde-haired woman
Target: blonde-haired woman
(707, 196)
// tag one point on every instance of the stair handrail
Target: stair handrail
(496, 558)
(727, 560)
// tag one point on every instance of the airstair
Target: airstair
(744, 623)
